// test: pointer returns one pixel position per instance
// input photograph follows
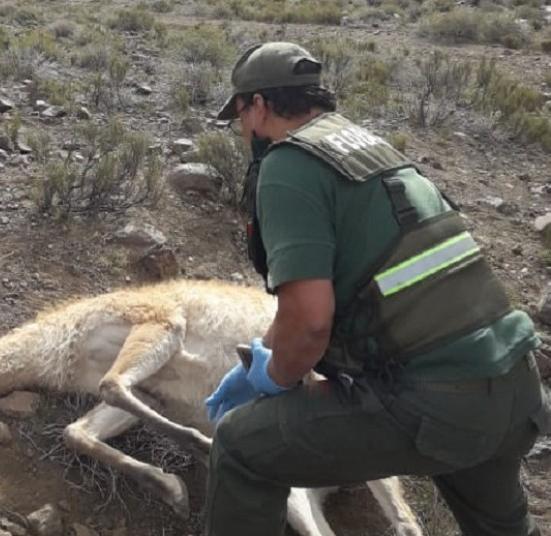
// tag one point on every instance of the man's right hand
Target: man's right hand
(233, 390)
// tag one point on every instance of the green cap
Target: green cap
(270, 65)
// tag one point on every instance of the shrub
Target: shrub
(58, 92)
(503, 29)
(132, 20)
(63, 29)
(228, 156)
(204, 44)
(464, 25)
(180, 99)
(118, 172)
(545, 45)
(163, 6)
(27, 17)
(458, 26)
(439, 85)
(399, 141)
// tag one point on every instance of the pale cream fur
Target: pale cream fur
(170, 344)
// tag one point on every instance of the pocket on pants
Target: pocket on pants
(457, 447)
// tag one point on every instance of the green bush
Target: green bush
(463, 25)
(503, 29)
(118, 172)
(439, 85)
(399, 141)
(458, 26)
(280, 11)
(229, 157)
(132, 20)
(204, 44)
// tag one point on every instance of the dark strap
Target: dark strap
(405, 213)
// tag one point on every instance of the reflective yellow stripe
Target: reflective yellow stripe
(421, 266)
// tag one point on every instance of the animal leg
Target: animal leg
(305, 511)
(389, 494)
(145, 351)
(87, 436)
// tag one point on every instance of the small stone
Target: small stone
(525, 177)
(237, 277)
(517, 250)
(3, 155)
(23, 148)
(181, 145)
(143, 89)
(543, 222)
(54, 112)
(84, 113)
(71, 146)
(140, 234)
(82, 530)
(508, 208)
(6, 143)
(14, 529)
(46, 521)
(20, 403)
(5, 434)
(5, 105)
(41, 105)
(195, 176)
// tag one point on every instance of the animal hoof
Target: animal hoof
(177, 496)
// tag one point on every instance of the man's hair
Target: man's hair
(289, 102)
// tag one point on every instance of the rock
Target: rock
(160, 263)
(525, 177)
(141, 235)
(5, 105)
(5, 434)
(41, 105)
(196, 177)
(19, 403)
(492, 201)
(23, 148)
(143, 89)
(544, 306)
(181, 145)
(71, 146)
(542, 223)
(5, 143)
(54, 112)
(517, 250)
(3, 155)
(14, 529)
(46, 521)
(508, 208)
(82, 530)
(84, 113)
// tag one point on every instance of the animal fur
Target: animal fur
(170, 344)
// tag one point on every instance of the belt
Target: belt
(484, 384)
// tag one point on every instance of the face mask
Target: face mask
(259, 145)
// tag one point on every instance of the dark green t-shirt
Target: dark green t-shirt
(317, 224)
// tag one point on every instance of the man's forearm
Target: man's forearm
(297, 347)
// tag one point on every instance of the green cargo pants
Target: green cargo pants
(469, 437)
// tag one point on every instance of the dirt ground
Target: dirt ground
(44, 261)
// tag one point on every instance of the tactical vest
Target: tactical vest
(430, 286)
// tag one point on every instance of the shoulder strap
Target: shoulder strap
(405, 213)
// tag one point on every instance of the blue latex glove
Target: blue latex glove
(258, 375)
(234, 389)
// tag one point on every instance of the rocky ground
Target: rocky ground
(502, 185)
